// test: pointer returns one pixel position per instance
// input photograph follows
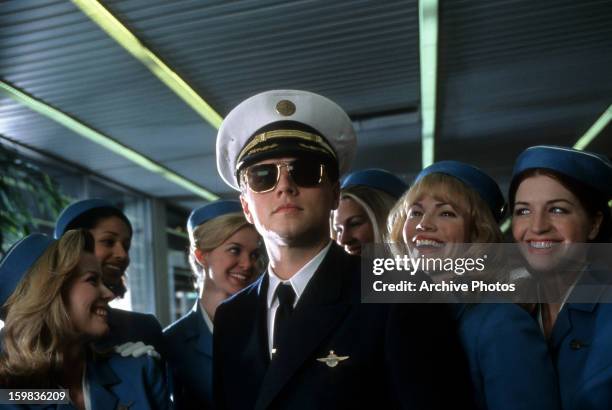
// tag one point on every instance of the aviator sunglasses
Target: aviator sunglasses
(264, 177)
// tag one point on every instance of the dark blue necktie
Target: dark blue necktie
(286, 298)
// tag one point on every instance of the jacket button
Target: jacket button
(576, 344)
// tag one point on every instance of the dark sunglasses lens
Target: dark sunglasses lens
(306, 173)
(262, 177)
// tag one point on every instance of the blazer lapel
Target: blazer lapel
(101, 377)
(574, 315)
(316, 315)
(257, 336)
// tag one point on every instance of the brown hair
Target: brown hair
(593, 202)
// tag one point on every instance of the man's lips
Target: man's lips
(287, 208)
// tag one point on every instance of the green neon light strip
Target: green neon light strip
(428, 48)
(113, 27)
(595, 129)
(103, 140)
(588, 137)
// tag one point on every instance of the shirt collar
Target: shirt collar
(207, 320)
(300, 279)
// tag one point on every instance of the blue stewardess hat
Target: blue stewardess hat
(212, 210)
(18, 261)
(473, 177)
(591, 169)
(76, 209)
(377, 178)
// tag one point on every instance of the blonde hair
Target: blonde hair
(37, 323)
(374, 202)
(482, 226)
(212, 234)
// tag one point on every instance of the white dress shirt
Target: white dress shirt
(207, 320)
(298, 282)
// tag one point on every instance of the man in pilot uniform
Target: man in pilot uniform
(299, 337)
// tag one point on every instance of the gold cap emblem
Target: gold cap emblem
(285, 108)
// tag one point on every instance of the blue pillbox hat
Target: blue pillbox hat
(591, 169)
(212, 210)
(473, 177)
(76, 209)
(377, 178)
(18, 261)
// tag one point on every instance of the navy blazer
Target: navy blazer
(509, 361)
(398, 356)
(126, 326)
(119, 383)
(581, 346)
(189, 354)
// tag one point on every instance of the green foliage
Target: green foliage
(27, 195)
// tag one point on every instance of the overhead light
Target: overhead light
(428, 55)
(113, 27)
(104, 140)
(595, 129)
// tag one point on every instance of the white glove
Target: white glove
(136, 349)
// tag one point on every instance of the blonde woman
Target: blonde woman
(451, 202)
(55, 306)
(366, 197)
(224, 255)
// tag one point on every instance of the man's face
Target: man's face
(289, 214)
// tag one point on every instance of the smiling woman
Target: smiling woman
(55, 307)
(559, 198)
(112, 233)
(366, 198)
(452, 202)
(225, 258)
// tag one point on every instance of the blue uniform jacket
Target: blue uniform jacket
(581, 346)
(189, 354)
(126, 326)
(509, 362)
(119, 383)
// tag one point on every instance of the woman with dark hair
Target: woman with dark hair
(225, 258)
(134, 333)
(559, 198)
(452, 203)
(55, 307)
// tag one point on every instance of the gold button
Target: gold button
(285, 108)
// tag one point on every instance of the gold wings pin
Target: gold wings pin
(332, 360)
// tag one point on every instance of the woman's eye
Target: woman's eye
(93, 279)
(355, 223)
(234, 251)
(521, 211)
(558, 210)
(107, 242)
(449, 214)
(413, 213)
